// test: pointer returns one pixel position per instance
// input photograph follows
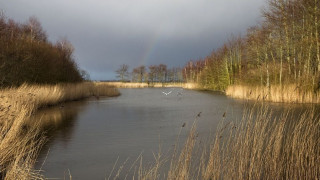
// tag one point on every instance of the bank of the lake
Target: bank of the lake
(288, 93)
(280, 94)
(19, 143)
(269, 140)
(149, 85)
(90, 135)
(96, 139)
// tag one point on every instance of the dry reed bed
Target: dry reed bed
(287, 94)
(266, 146)
(126, 84)
(19, 144)
(262, 145)
(145, 85)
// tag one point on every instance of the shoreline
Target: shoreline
(20, 144)
(150, 85)
(291, 94)
(19, 103)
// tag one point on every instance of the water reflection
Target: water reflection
(57, 123)
(87, 137)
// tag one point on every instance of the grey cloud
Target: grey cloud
(108, 33)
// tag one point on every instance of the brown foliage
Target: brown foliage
(27, 56)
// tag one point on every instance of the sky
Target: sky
(109, 33)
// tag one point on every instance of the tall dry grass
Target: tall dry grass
(19, 144)
(145, 85)
(287, 93)
(126, 84)
(266, 146)
(19, 148)
(262, 145)
(180, 165)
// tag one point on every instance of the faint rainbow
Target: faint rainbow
(149, 48)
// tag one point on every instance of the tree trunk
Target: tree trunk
(316, 33)
(281, 56)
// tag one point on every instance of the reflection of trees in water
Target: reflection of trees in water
(56, 123)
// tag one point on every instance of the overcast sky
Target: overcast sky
(108, 33)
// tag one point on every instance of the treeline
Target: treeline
(26, 55)
(154, 73)
(284, 49)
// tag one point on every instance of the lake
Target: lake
(88, 137)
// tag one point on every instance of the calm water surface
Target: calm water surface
(87, 137)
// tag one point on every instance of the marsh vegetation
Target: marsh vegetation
(281, 52)
(262, 145)
(277, 60)
(229, 139)
(20, 142)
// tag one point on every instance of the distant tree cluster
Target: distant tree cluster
(123, 72)
(26, 55)
(154, 73)
(283, 49)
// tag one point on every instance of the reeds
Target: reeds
(19, 143)
(267, 146)
(180, 167)
(287, 93)
(262, 145)
(126, 84)
(145, 85)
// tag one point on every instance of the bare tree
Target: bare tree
(65, 45)
(123, 72)
(85, 75)
(34, 29)
(138, 74)
(162, 73)
(152, 73)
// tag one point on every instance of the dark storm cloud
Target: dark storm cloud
(106, 34)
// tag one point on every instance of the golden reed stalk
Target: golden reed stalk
(19, 143)
(262, 145)
(287, 93)
(146, 85)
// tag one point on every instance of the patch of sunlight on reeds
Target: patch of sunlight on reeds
(126, 84)
(146, 85)
(266, 146)
(191, 86)
(19, 147)
(287, 94)
(159, 85)
(262, 145)
(19, 144)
